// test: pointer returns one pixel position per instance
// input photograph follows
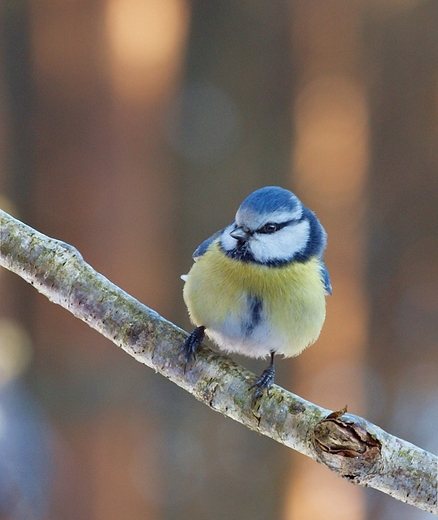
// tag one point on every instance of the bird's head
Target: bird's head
(272, 227)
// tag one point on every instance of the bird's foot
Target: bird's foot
(191, 344)
(265, 381)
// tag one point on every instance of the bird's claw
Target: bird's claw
(265, 381)
(191, 344)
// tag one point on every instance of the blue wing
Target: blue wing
(326, 279)
(202, 248)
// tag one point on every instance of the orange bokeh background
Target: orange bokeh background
(132, 129)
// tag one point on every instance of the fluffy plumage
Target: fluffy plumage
(220, 293)
(258, 286)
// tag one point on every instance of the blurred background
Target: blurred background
(133, 129)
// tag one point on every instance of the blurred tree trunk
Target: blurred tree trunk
(16, 156)
(403, 241)
(26, 452)
(329, 174)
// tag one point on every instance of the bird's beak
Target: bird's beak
(242, 234)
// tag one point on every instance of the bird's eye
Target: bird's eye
(269, 228)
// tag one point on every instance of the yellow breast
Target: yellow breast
(218, 289)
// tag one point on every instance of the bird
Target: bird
(258, 286)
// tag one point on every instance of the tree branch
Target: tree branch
(349, 445)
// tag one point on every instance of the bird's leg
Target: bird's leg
(191, 345)
(266, 380)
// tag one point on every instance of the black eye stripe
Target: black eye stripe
(278, 226)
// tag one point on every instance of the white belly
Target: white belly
(249, 332)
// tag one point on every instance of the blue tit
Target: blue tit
(258, 286)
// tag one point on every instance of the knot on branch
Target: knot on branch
(345, 444)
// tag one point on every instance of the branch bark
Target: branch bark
(350, 446)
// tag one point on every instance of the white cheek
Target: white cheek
(227, 241)
(282, 245)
